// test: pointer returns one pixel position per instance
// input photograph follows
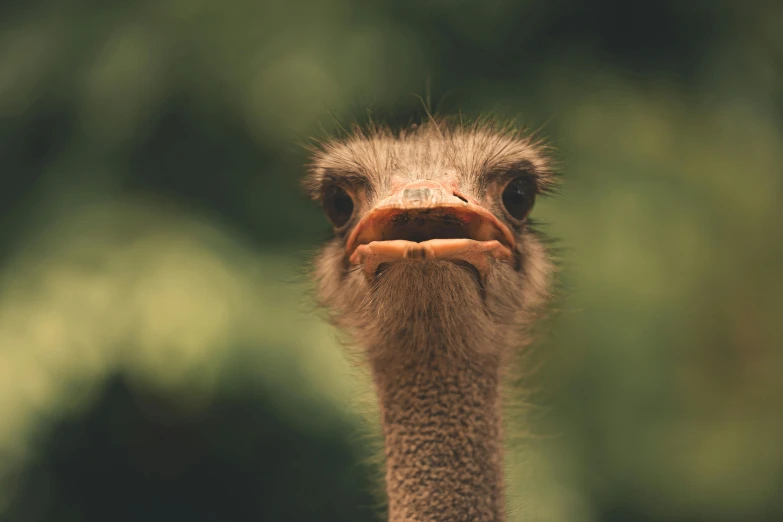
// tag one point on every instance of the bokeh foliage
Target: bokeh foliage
(160, 358)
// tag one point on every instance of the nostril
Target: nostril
(460, 197)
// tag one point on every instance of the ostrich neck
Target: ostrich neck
(441, 422)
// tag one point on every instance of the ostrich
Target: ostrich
(434, 271)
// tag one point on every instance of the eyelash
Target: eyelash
(350, 183)
(504, 177)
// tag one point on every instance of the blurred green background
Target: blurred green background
(160, 357)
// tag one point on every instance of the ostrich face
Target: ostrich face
(430, 221)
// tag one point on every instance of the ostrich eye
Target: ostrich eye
(338, 205)
(519, 196)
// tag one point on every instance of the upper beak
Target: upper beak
(427, 220)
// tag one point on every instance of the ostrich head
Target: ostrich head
(436, 272)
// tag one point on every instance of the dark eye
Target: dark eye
(519, 196)
(338, 205)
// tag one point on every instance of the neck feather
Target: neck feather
(441, 423)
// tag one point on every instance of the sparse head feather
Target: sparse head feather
(475, 151)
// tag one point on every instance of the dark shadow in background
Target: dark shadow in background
(138, 456)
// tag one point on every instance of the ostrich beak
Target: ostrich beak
(426, 220)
